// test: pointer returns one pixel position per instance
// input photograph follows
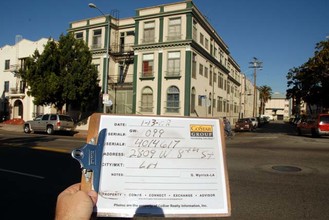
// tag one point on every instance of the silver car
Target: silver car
(50, 123)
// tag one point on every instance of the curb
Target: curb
(81, 134)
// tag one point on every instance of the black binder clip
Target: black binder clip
(90, 157)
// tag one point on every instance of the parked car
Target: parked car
(268, 117)
(318, 126)
(244, 124)
(50, 123)
(254, 122)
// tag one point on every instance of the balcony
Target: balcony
(148, 75)
(122, 48)
(146, 107)
(173, 74)
(15, 93)
(96, 46)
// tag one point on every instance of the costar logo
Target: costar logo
(201, 131)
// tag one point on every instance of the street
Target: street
(273, 174)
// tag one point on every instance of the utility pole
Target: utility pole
(255, 64)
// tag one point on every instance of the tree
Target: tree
(265, 93)
(310, 81)
(63, 75)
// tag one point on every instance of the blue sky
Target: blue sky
(281, 33)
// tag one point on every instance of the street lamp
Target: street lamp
(255, 64)
(105, 76)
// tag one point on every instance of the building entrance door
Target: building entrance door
(18, 109)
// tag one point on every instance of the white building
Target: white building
(279, 107)
(14, 102)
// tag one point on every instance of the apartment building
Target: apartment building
(279, 107)
(14, 101)
(166, 60)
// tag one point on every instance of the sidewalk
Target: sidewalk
(79, 133)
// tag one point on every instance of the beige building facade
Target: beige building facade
(166, 60)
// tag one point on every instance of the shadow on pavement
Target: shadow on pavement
(277, 127)
(32, 179)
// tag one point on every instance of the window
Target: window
(174, 32)
(7, 64)
(130, 33)
(221, 56)
(147, 100)
(194, 66)
(195, 31)
(148, 65)
(219, 104)
(206, 72)
(201, 69)
(149, 32)
(209, 107)
(79, 35)
(23, 63)
(173, 99)
(21, 87)
(97, 39)
(220, 81)
(45, 117)
(6, 86)
(193, 95)
(173, 64)
(201, 39)
(206, 43)
(210, 76)
(201, 100)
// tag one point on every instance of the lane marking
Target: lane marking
(21, 173)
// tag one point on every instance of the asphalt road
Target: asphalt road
(273, 174)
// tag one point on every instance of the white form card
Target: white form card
(173, 164)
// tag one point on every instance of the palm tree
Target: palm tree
(265, 93)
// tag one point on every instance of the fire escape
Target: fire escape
(121, 53)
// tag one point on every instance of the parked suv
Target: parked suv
(50, 123)
(316, 127)
(244, 124)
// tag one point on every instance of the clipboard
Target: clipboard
(155, 166)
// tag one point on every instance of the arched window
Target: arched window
(173, 99)
(193, 95)
(147, 100)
